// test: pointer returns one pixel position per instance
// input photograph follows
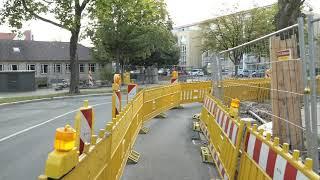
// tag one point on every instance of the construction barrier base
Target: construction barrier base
(134, 157)
(206, 155)
(144, 130)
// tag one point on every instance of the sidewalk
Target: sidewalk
(167, 151)
(51, 91)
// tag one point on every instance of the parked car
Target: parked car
(243, 73)
(197, 72)
(258, 73)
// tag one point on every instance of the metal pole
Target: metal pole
(305, 84)
(214, 71)
(220, 84)
(313, 93)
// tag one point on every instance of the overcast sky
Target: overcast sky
(181, 11)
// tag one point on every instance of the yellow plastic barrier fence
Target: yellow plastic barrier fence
(106, 156)
(263, 158)
(246, 89)
(194, 91)
(224, 135)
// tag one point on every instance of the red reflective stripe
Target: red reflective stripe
(87, 113)
(81, 146)
(272, 156)
(256, 150)
(227, 125)
(231, 131)
(290, 172)
(246, 142)
(223, 172)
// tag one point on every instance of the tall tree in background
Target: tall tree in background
(288, 13)
(235, 29)
(130, 30)
(66, 14)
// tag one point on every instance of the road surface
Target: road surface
(27, 132)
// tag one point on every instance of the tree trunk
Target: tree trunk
(118, 62)
(74, 64)
(289, 11)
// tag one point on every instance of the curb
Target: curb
(54, 98)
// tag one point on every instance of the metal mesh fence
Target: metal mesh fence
(274, 77)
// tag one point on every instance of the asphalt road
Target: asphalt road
(167, 151)
(27, 132)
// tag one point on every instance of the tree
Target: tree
(235, 29)
(130, 30)
(66, 14)
(288, 13)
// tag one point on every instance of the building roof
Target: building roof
(18, 50)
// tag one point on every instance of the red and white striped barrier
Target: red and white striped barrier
(118, 102)
(174, 80)
(219, 165)
(272, 163)
(223, 119)
(132, 91)
(86, 126)
(90, 79)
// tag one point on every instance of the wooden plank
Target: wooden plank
(274, 85)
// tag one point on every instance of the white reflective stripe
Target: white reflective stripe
(220, 167)
(225, 122)
(301, 176)
(229, 127)
(132, 93)
(251, 143)
(225, 176)
(234, 134)
(85, 130)
(220, 118)
(118, 102)
(279, 168)
(263, 158)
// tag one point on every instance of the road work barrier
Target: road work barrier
(107, 154)
(224, 136)
(261, 157)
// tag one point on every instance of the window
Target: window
(57, 68)
(31, 67)
(81, 68)
(13, 67)
(44, 68)
(92, 67)
(68, 69)
(1, 67)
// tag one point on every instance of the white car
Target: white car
(197, 72)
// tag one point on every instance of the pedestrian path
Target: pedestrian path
(168, 152)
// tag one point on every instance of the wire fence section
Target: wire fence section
(273, 77)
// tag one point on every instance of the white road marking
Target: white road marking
(45, 122)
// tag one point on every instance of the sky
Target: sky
(182, 12)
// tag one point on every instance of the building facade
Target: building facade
(189, 41)
(49, 60)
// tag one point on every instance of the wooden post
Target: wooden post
(286, 85)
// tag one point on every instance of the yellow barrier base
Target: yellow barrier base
(178, 107)
(134, 157)
(60, 163)
(206, 155)
(161, 116)
(144, 130)
(196, 116)
(196, 126)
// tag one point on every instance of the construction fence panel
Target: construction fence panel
(263, 158)
(224, 134)
(194, 91)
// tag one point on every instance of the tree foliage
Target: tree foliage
(66, 14)
(131, 30)
(235, 29)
